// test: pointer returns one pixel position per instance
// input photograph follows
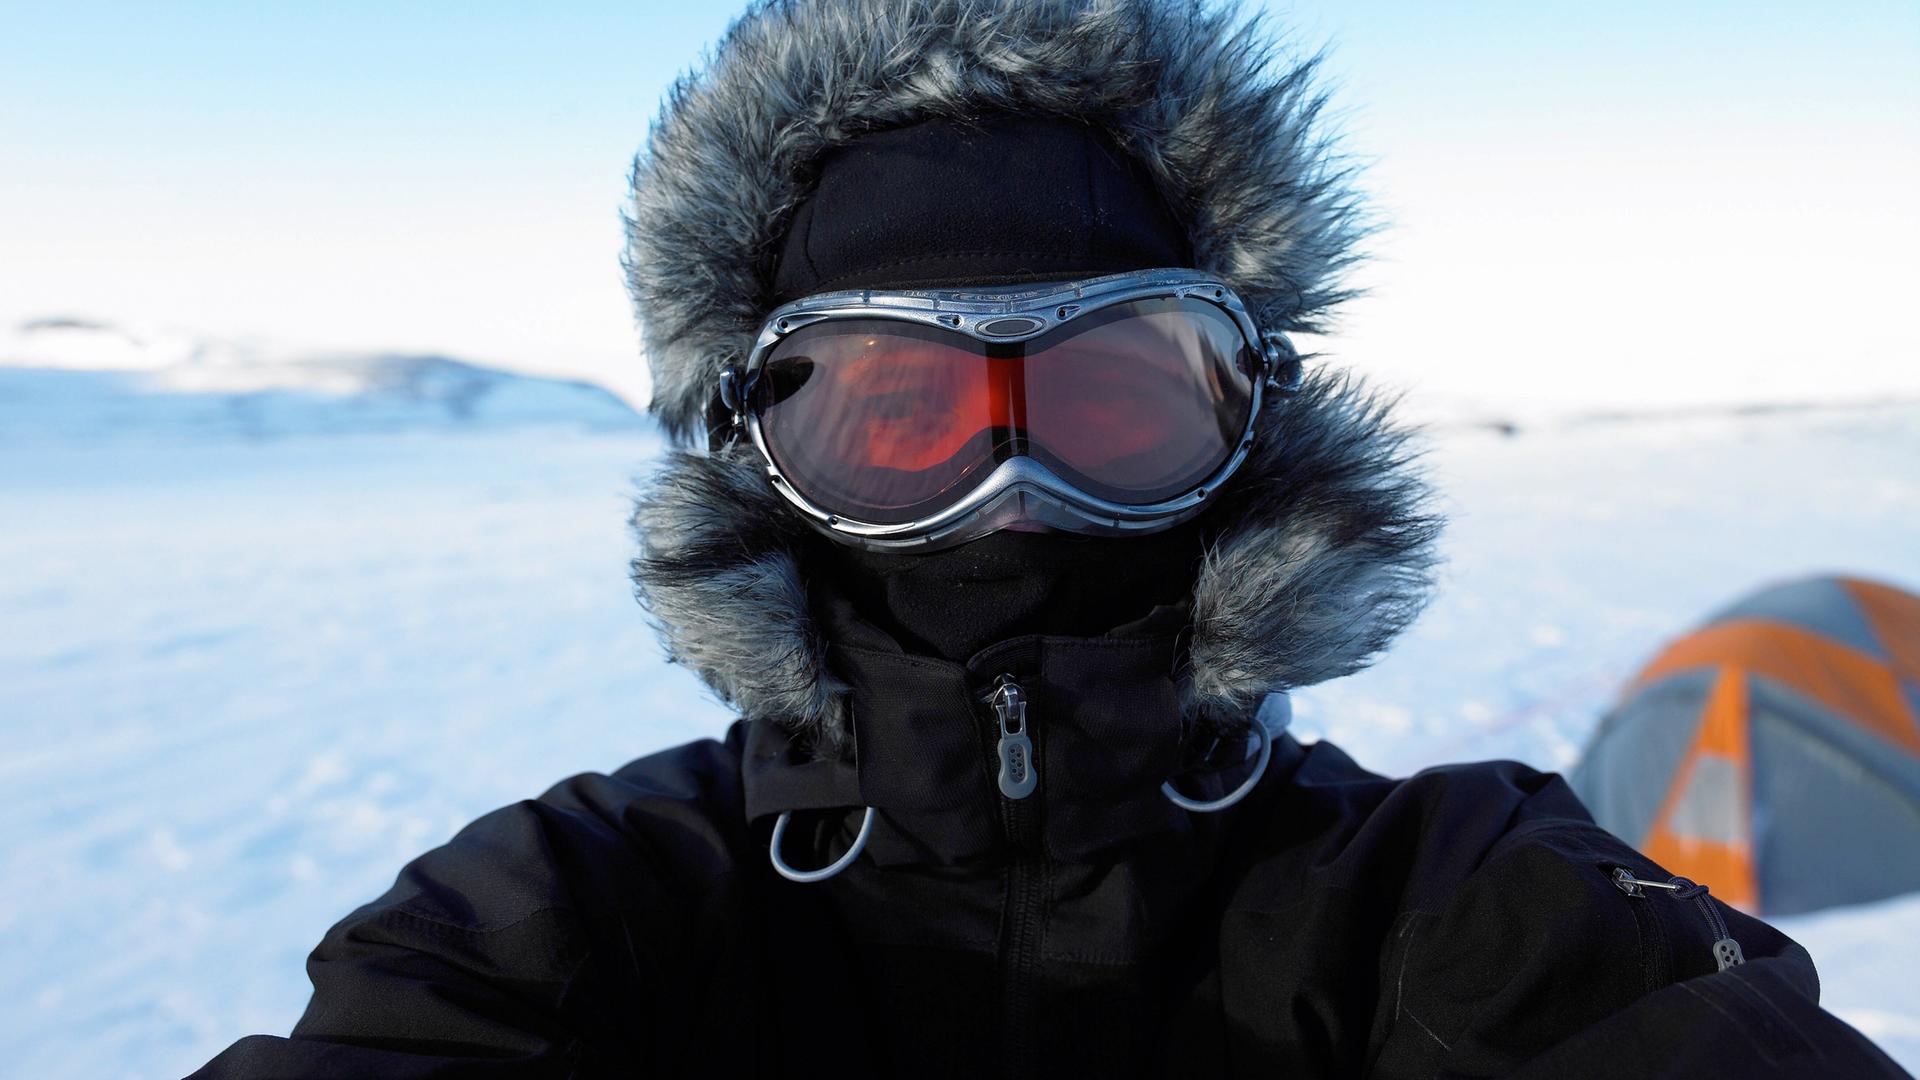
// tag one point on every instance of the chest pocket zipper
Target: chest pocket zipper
(1726, 951)
(1018, 774)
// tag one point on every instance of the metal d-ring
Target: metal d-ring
(1234, 796)
(827, 871)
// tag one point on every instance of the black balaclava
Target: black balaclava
(993, 201)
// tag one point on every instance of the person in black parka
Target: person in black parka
(1019, 752)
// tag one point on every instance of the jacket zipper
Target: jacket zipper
(1726, 951)
(1022, 918)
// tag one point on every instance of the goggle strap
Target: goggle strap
(1285, 367)
(726, 413)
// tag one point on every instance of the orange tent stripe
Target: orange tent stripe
(1895, 618)
(1725, 868)
(1723, 730)
(1846, 680)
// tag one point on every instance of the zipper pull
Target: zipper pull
(1017, 772)
(1726, 951)
(1624, 880)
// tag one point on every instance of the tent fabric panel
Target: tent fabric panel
(1824, 605)
(1712, 804)
(1895, 617)
(1629, 765)
(1900, 772)
(1844, 679)
(1829, 829)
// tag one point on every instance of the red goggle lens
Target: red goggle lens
(886, 421)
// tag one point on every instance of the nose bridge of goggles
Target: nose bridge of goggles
(1019, 489)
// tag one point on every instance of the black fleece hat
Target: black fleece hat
(996, 200)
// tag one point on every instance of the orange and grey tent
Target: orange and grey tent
(1774, 753)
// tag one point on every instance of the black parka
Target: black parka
(1463, 922)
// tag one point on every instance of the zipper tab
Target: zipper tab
(1018, 775)
(1726, 953)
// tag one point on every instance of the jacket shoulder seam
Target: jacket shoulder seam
(442, 925)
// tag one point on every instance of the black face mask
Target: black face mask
(955, 602)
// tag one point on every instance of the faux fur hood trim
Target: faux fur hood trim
(1200, 95)
(1325, 558)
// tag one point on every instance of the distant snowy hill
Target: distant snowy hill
(76, 378)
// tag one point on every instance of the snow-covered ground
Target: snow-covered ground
(242, 679)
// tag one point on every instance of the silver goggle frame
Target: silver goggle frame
(1020, 488)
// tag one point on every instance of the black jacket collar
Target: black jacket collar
(1105, 718)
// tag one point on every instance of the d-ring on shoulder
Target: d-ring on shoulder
(1259, 769)
(827, 871)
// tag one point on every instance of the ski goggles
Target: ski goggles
(928, 417)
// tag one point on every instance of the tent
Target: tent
(1773, 754)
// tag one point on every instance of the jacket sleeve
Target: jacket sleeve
(466, 967)
(568, 935)
(1543, 966)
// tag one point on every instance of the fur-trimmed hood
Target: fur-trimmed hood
(1324, 550)
(1225, 127)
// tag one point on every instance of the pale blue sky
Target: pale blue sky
(1588, 203)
